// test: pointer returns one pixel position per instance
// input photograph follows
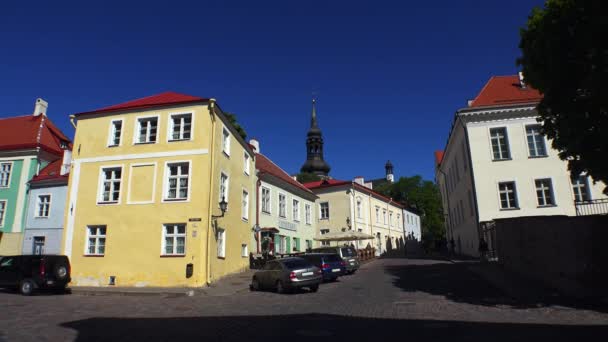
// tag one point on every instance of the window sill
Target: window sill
(296, 221)
(177, 140)
(108, 203)
(266, 212)
(547, 206)
(114, 145)
(246, 174)
(221, 257)
(244, 219)
(499, 160)
(227, 155)
(324, 218)
(508, 209)
(283, 217)
(537, 157)
(175, 199)
(144, 143)
(41, 217)
(172, 255)
(93, 255)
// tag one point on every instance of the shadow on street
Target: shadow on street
(314, 326)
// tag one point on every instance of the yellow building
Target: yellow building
(147, 180)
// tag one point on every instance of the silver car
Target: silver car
(287, 274)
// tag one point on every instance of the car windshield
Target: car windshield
(348, 252)
(296, 263)
(332, 258)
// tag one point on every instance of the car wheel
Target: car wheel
(255, 284)
(26, 287)
(314, 288)
(280, 288)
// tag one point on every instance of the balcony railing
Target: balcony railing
(593, 207)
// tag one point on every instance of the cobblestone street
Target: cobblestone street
(389, 297)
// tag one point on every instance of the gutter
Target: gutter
(211, 107)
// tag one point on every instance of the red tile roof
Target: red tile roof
(164, 99)
(438, 157)
(504, 90)
(266, 165)
(334, 182)
(50, 172)
(29, 131)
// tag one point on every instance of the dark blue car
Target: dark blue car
(331, 265)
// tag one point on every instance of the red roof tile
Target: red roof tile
(334, 182)
(50, 172)
(504, 90)
(438, 157)
(164, 99)
(29, 131)
(266, 165)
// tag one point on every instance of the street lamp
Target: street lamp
(223, 208)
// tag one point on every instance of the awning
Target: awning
(344, 236)
(269, 229)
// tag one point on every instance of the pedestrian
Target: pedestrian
(483, 248)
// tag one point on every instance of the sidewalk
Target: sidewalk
(227, 286)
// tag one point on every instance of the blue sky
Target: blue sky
(388, 75)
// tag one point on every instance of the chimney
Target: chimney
(40, 107)
(67, 161)
(255, 145)
(359, 180)
(521, 80)
(469, 103)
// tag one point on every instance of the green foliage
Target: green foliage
(305, 177)
(565, 56)
(232, 118)
(424, 195)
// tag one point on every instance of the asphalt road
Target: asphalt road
(392, 298)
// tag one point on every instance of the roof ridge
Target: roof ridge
(285, 172)
(16, 117)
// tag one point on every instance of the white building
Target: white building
(497, 164)
(411, 224)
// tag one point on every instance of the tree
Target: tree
(305, 177)
(232, 118)
(565, 56)
(424, 195)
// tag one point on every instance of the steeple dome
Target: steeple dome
(314, 148)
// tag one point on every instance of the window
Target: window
(359, 207)
(307, 213)
(174, 239)
(245, 207)
(384, 216)
(323, 232)
(390, 218)
(308, 244)
(580, 187)
(224, 187)
(115, 133)
(180, 126)
(544, 192)
(96, 240)
(246, 163)
(266, 200)
(147, 129)
(244, 250)
(38, 245)
(282, 205)
(398, 221)
(226, 141)
(324, 210)
(377, 214)
(536, 141)
(110, 184)
(178, 175)
(43, 206)
(221, 243)
(5, 174)
(500, 143)
(508, 196)
(296, 210)
(2, 211)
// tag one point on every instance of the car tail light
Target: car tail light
(343, 263)
(42, 268)
(325, 266)
(292, 275)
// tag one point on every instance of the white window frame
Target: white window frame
(269, 206)
(167, 174)
(137, 129)
(321, 211)
(507, 144)
(171, 127)
(246, 162)
(359, 202)
(245, 205)
(398, 220)
(384, 216)
(97, 236)
(377, 214)
(175, 236)
(295, 209)
(516, 197)
(3, 209)
(323, 232)
(39, 203)
(390, 218)
(544, 142)
(10, 173)
(282, 213)
(576, 188)
(100, 185)
(112, 132)
(221, 243)
(549, 189)
(226, 135)
(307, 213)
(244, 250)
(226, 188)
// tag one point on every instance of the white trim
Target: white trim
(246, 211)
(136, 129)
(98, 198)
(246, 163)
(175, 235)
(262, 200)
(219, 192)
(293, 207)
(525, 133)
(19, 206)
(71, 208)
(279, 204)
(111, 136)
(143, 156)
(88, 235)
(170, 126)
(551, 192)
(515, 192)
(10, 174)
(130, 182)
(3, 218)
(307, 220)
(221, 231)
(507, 140)
(229, 144)
(321, 212)
(36, 211)
(166, 183)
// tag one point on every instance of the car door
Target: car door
(275, 273)
(263, 274)
(8, 271)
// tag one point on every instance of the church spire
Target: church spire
(314, 147)
(313, 119)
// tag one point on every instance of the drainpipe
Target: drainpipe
(72, 118)
(209, 226)
(257, 211)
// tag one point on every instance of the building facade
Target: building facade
(285, 210)
(148, 180)
(27, 144)
(46, 208)
(350, 205)
(412, 224)
(497, 164)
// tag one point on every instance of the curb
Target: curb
(132, 292)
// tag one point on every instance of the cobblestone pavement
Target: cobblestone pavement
(407, 298)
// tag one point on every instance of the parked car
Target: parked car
(331, 265)
(347, 253)
(287, 274)
(28, 273)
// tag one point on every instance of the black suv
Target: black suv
(31, 272)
